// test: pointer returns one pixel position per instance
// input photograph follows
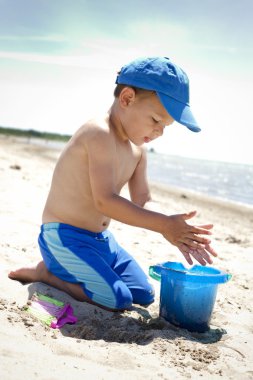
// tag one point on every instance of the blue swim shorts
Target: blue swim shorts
(108, 275)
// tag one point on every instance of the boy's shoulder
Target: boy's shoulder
(93, 127)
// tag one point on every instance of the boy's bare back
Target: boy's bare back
(71, 197)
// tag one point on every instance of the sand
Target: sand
(136, 344)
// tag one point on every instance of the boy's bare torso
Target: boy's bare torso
(70, 199)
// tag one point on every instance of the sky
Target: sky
(59, 59)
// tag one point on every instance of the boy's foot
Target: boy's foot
(39, 273)
(29, 274)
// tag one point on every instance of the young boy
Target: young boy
(80, 255)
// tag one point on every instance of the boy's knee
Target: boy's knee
(148, 297)
(144, 296)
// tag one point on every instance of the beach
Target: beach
(135, 344)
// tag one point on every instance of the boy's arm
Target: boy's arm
(138, 183)
(139, 188)
(101, 149)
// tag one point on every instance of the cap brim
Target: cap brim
(179, 111)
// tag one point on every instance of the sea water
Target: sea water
(224, 180)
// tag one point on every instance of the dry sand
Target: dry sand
(131, 345)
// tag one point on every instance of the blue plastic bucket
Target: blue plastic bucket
(187, 295)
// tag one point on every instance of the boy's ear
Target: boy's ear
(127, 96)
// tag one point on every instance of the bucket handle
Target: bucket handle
(153, 273)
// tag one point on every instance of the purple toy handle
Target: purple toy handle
(65, 316)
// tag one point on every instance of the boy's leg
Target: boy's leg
(39, 273)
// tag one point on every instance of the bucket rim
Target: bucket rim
(180, 272)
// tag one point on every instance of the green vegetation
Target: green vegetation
(34, 134)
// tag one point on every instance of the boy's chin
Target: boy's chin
(138, 143)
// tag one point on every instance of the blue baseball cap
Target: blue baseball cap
(168, 80)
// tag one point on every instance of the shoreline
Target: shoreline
(216, 201)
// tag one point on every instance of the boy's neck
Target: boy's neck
(115, 122)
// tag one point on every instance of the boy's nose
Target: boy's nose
(158, 131)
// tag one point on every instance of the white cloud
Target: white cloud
(22, 38)
(84, 61)
(157, 32)
(217, 48)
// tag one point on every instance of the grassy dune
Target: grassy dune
(33, 133)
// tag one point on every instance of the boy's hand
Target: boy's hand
(188, 238)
